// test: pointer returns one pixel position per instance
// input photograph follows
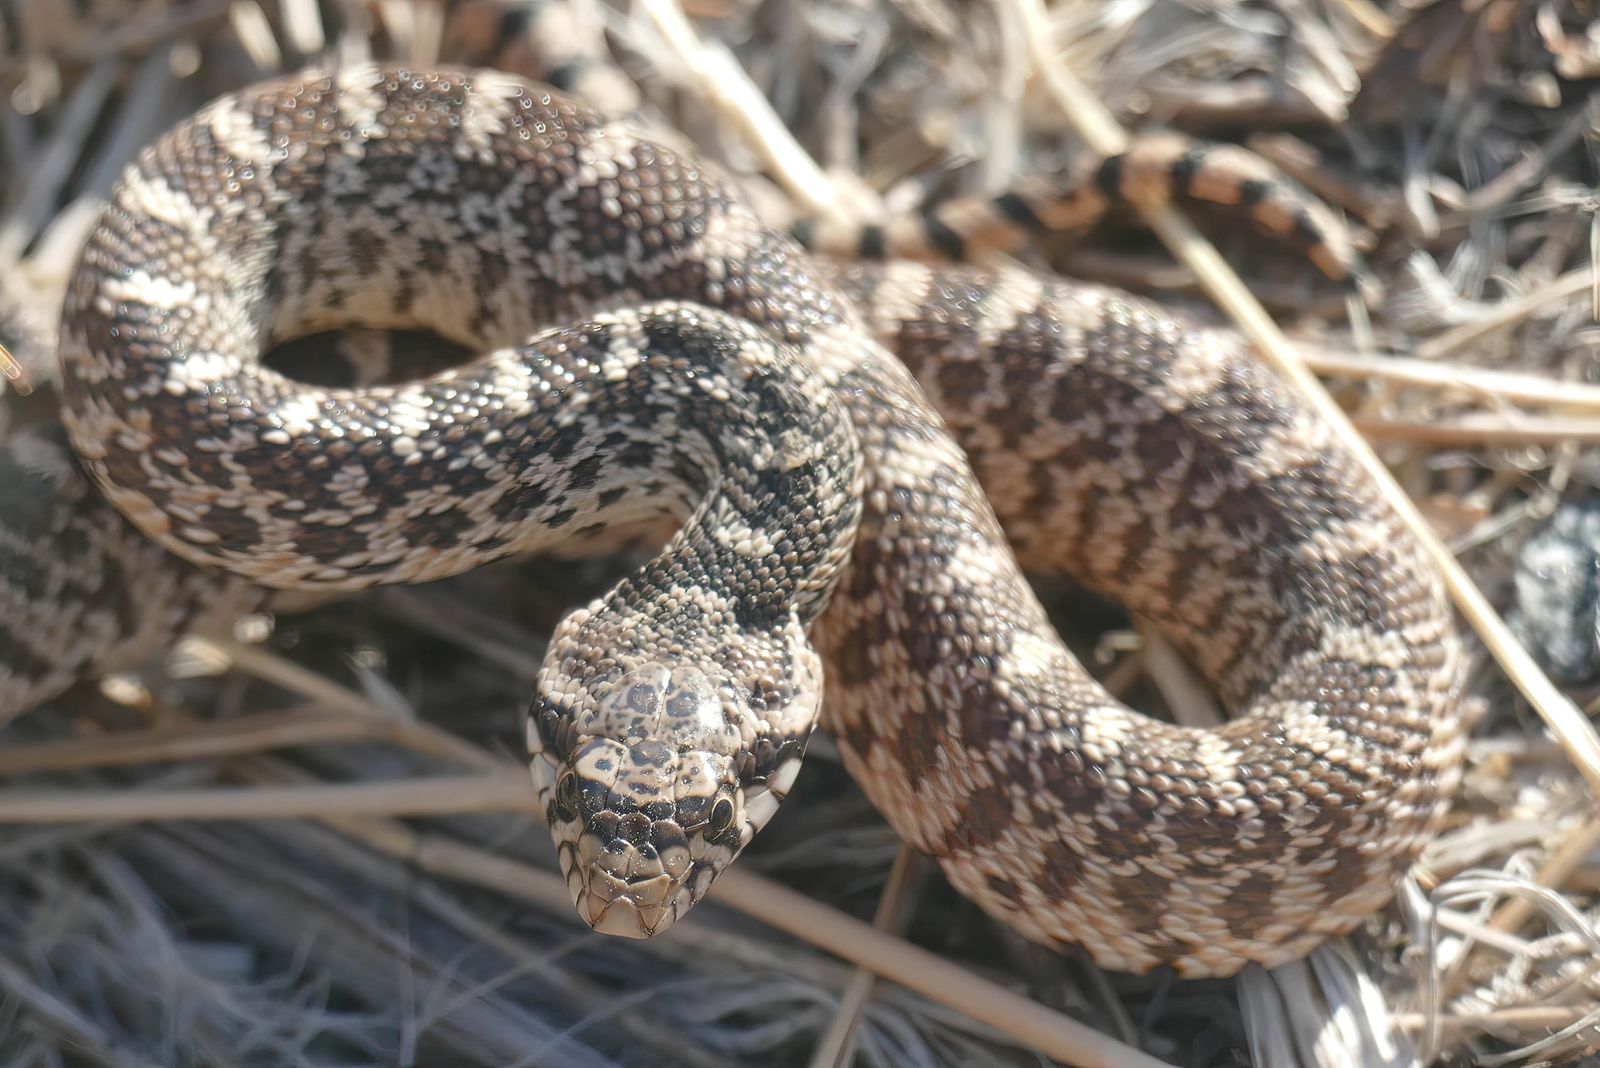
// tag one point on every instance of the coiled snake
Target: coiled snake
(695, 362)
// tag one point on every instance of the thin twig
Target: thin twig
(11, 370)
(1508, 313)
(1486, 383)
(233, 737)
(1507, 429)
(263, 664)
(444, 795)
(254, 34)
(302, 25)
(1185, 693)
(1538, 1019)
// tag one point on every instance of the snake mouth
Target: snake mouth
(635, 891)
(631, 908)
(650, 793)
(631, 872)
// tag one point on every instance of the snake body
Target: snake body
(652, 347)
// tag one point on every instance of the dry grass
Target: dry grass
(214, 870)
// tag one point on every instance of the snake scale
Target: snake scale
(852, 542)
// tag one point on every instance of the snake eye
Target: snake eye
(721, 817)
(565, 805)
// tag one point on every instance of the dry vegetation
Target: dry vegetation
(311, 843)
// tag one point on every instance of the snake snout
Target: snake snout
(642, 831)
(633, 875)
(653, 786)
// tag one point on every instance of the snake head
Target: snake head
(653, 784)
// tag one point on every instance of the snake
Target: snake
(866, 461)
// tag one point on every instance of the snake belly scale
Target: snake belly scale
(652, 347)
